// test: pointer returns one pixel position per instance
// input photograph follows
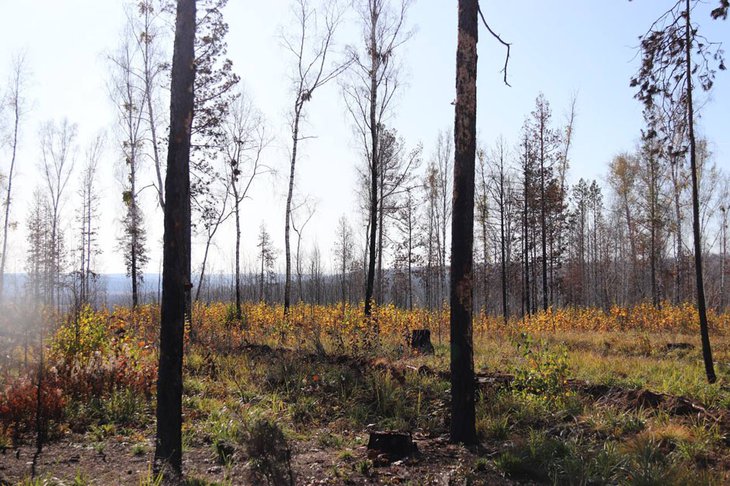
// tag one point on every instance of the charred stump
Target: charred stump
(421, 341)
(392, 445)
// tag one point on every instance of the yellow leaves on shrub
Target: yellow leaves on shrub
(345, 328)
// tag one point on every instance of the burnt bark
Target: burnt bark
(462, 228)
(176, 252)
(701, 305)
(421, 341)
(502, 238)
(543, 221)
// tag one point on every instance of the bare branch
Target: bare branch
(506, 44)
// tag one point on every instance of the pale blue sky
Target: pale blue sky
(560, 47)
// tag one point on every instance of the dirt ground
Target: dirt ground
(437, 462)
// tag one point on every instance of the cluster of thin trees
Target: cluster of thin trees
(228, 136)
(540, 242)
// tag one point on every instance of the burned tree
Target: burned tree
(462, 229)
(176, 252)
(666, 82)
(463, 385)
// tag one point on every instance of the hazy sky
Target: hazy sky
(560, 48)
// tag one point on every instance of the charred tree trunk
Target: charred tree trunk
(526, 252)
(543, 222)
(701, 306)
(654, 223)
(176, 252)
(381, 213)
(462, 228)
(410, 252)
(503, 243)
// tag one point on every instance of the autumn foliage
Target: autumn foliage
(100, 354)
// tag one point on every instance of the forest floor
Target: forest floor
(560, 408)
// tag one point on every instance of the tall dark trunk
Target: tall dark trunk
(374, 129)
(133, 264)
(52, 297)
(300, 287)
(721, 307)
(381, 213)
(343, 283)
(87, 275)
(543, 223)
(40, 420)
(653, 243)
(702, 310)
(176, 246)
(462, 228)
(263, 275)
(410, 253)
(678, 257)
(82, 274)
(526, 249)
(485, 265)
(503, 243)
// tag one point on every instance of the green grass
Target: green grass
(542, 429)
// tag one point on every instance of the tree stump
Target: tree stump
(421, 341)
(395, 445)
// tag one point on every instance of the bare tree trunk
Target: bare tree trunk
(40, 420)
(155, 151)
(202, 268)
(724, 210)
(148, 63)
(543, 223)
(374, 132)
(238, 254)
(176, 256)
(16, 104)
(462, 228)
(701, 308)
(133, 255)
(654, 223)
(503, 243)
(290, 193)
(526, 249)
(410, 252)
(300, 290)
(212, 229)
(678, 229)
(632, 248)
(381, 212)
